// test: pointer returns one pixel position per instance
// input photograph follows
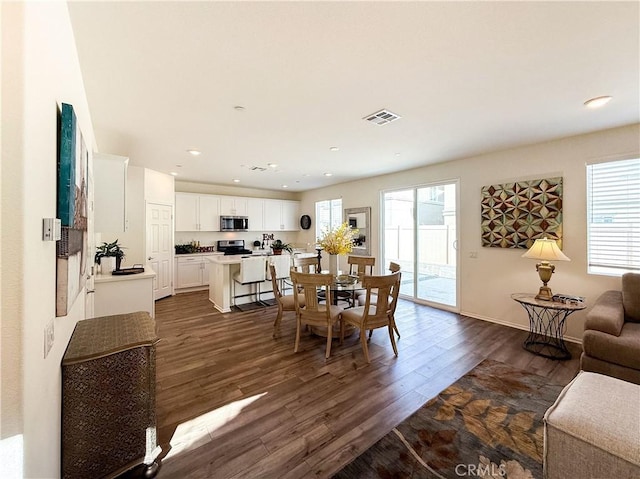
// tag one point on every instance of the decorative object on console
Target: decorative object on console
(110, 250)
(545, 250)
(514, 214)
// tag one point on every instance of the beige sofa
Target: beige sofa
(611, 340)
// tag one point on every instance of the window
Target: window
(613, 217)
(328, 215)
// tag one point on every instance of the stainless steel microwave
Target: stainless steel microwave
(234, 223)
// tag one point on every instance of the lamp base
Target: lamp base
(545, 294)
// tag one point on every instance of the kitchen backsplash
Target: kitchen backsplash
(207, 238)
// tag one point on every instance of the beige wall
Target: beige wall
(40, 70)
(487, 282)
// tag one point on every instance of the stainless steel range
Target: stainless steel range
(229, 247)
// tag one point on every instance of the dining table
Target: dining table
(344, 288)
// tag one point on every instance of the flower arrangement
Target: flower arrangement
(338, 240)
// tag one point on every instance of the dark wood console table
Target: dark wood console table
(108, 397)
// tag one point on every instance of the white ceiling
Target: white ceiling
(466, 78)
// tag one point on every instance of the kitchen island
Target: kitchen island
(221, 271)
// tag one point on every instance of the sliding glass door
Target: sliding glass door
(420, 234)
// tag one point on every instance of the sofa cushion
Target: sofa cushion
(623, 350)
(631, 296)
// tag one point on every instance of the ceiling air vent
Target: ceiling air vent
(254, 168)
(382, 117)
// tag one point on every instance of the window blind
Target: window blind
(328, 215)
(613, 217)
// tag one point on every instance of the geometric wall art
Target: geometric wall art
(514, 215)
(72, 193)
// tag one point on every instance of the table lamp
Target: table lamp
(545, 250)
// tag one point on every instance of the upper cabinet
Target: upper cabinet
(233, 206)
(110, 184)
(281, 215)
(197, 212)
(255, 212)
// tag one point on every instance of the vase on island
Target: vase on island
(333, 264)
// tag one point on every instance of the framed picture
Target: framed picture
(515, 214)
(72, 193)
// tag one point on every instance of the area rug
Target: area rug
(488, 424)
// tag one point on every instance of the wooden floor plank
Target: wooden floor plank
(235, 402)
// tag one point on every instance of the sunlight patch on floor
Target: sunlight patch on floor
(194, 433)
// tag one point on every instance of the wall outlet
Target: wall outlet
(473, 254)
(48, 338)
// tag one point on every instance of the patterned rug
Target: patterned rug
(488, 424)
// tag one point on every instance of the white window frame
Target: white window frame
(335, 215)
(613, 216)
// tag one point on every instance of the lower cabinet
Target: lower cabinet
(109, 397)
(192, 271)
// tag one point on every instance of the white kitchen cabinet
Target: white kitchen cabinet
(192, 271)
(110, 184)
(255, 212)
(281, 215)
(290, 214)
(233, 206)
(197, 212)
(209, 213)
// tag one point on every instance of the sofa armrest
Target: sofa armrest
(607, 314)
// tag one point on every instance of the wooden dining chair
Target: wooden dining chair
(375, 314)
(313, 313)
(393, 268)
(284, 302)
(361, 265)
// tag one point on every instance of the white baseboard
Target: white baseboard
(570, 339)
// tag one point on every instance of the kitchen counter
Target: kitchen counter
(111, 278)
(122, 294)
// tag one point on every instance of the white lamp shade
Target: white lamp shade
(546, 250)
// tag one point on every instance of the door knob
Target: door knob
(150, 258)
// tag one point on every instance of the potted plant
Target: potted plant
(110, 250)
(277, 246)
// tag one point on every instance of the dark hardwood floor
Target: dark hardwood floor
(233, 402)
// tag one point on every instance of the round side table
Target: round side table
(546, 325)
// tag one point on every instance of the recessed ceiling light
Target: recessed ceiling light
(597, 102)
(272, 165)
(173, 173)
(285, 186)
(236, 180)
(328, 174)
(194, 152)
(334, 148)
(238, 108)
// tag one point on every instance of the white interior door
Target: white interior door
(159, 252)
